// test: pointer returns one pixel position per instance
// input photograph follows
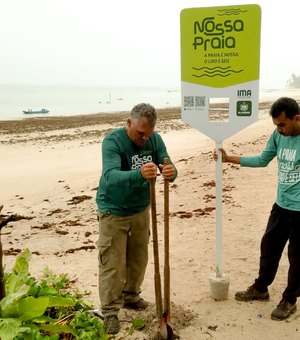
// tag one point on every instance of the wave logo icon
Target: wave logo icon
(231, 11)
(212, 72)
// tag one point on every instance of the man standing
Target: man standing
(130, 158)
(284, 220)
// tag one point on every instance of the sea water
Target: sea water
(81, 100)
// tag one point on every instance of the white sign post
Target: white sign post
(220, 54)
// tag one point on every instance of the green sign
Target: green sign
(220, 57)
(220, 45)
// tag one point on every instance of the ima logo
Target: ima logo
(244, 93)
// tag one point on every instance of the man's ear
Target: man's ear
(128, 122)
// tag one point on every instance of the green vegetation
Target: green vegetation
(48, 309)
(294, 81)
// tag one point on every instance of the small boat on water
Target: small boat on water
(29, 111)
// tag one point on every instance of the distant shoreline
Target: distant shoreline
(50, 123)
(82, 127)
(78, 102)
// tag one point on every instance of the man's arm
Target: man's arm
(258, 161)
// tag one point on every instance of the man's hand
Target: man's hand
(227, 158)
(224, 155)
(168, 171)
(149, 171)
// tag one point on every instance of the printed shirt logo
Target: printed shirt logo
(138, 160)
(288, 167)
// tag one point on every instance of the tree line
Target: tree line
(294, 81)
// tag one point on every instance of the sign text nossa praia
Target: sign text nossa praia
(211, 34)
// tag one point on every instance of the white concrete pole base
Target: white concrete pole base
(219, 286)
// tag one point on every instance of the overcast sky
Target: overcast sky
(120, 43)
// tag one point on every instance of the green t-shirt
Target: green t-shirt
(122, 189)
(287, 150)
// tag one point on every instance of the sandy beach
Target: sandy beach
(50, 168)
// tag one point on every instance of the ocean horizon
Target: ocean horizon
(80, 100)
(74, 100)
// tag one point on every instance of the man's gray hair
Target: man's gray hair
(144, 110)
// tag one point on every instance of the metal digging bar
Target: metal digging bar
(165, 331)
(161, 333)
(167, 300)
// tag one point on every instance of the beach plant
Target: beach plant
(45, 309)
(49, 308)
(137, 324)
